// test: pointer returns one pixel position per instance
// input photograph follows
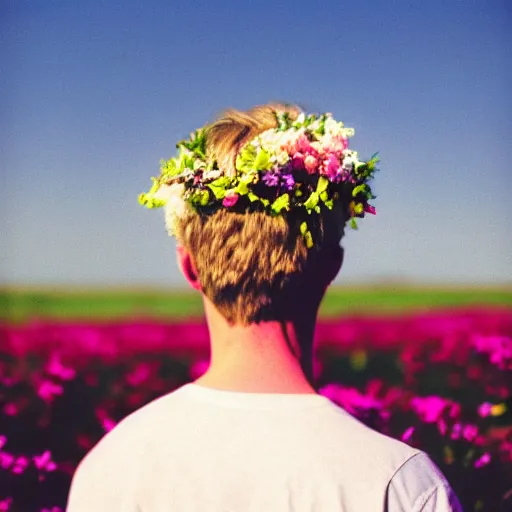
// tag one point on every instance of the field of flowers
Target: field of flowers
(439, 380)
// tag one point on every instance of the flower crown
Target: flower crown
(301, 165)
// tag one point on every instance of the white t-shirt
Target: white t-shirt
(199, 449)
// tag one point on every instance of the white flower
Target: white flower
(163, 193)
(333, 127)
(175, 207)
(348, 163)
(301, 118)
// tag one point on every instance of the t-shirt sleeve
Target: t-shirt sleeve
(102, 485)
(419, 486)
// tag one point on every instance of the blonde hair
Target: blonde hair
(253, 266)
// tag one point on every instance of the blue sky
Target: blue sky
(95, 93)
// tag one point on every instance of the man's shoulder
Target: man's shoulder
(370, 443)
(135, 431)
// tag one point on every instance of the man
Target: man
(258, 202)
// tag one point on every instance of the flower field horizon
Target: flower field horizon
(436, 377)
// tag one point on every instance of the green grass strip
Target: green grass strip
(20, 305)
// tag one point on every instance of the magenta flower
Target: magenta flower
(456, 431)
(431, 408)
(331, 166)
(469, 432)
(406, 436)
(230, 199)
(5, 505)
(370, 209)
(48, 390)
(44, 461)
(6, 460)
(11, 409)
(484, 409)
(20, 464)
(57, 369)
(139, 374)
(483, 460)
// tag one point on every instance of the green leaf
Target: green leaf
(249, 178)
(358, 208)
(242, 189)
(149, 201)
(245, 159)
(282, 202)
(252, 197)
(306, 234)
(353, 223)
(312, 202)
(218, 191)
(329, 204)
(322, 184)
(262, 161)
(222, 181)
(199, 197)
(359, 189)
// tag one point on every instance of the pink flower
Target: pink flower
(20, 464)
(469, 432)
(484, 409)
(230, 199)
(431, 408)
(105, 420)
(5, 505)
(11, 409)
(442, 427)
(483, 460)
(370, 209)
(335, 144)
(456, 431)
(406, 436)
(108, 424)
(331, 166)
(48, 390)
(57, 369)
(139, 374)
(298, 161)
(44, 461)
(311, 164)
(297, 144)
(6, 459)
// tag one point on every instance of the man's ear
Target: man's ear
(187, 267)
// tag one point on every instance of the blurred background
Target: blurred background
(92, 306)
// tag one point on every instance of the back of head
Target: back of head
(260, 199)
(254, 266)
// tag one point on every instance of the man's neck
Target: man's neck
(269, 357)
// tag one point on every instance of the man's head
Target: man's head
(253, 266)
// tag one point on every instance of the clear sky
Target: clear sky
(94, 93)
